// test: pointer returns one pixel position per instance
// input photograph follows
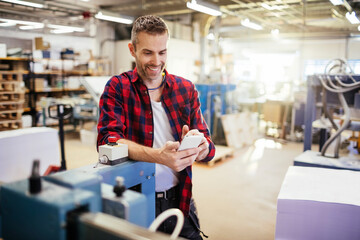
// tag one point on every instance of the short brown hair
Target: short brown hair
(150, 24)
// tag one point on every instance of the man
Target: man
(151, 110)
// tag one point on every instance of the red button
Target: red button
(112, 139)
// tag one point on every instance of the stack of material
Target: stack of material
(11, 100)
(319, 203)
(19, 148)
(241, 129)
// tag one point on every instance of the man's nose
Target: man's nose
(156, 59)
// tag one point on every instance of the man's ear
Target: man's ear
(132, 49)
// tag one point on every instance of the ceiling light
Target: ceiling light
(113, 17)
(13, 21)
(337, 2)
(64, 29)
(247, 23)
(266, 6)
(203, 7)
(275, 32)
(32, 27)
(19, 21)
(7, 24)
(352, 18)
(60, 31)
(29, 3)
(210, 36)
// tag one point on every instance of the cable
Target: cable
(343, 127)
(341, 66)
(165, 215)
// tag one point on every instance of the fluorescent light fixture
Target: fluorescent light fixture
(32, 27)
(337, 2)
(64, 29)
(247, 23)
(266, 6)
(352, 18)
(210, 36)
(27, 24)
(275, 7)
(203, 7)
(275, 32)
(7, 24)
(60, 31)
(19, 21)
(113, 17)
(29, 3)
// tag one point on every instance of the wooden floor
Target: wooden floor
(236, 197)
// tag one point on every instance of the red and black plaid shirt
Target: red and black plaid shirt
(125, 112)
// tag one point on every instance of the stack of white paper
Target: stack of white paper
(319, 203)
(18, 149)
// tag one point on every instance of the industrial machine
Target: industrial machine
(335, 91)
(114, 199)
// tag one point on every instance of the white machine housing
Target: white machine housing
(113, 154)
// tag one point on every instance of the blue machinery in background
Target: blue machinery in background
(350, 97)
(207, 94)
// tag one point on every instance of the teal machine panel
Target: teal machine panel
(138, 176)
(44, 215)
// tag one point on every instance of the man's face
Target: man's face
(150, 55)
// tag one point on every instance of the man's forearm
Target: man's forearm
(139, 152)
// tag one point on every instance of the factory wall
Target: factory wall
(57, 42)
(301, 50)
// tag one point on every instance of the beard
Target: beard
(142, 71)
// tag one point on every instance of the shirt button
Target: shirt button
(145, 92)
(150, 113)
(150, 132)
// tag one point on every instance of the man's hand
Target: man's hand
(204, 145)
(169, 156)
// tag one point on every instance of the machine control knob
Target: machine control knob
(119, 187)
(112, 140)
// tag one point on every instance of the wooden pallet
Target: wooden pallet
(11, 96)
(10, 124)
(10, 86)
(11, 115)
(221, 154)
(12, 99)
(11, 76)
(5, 106)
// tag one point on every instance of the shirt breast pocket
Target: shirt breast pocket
(184, 112)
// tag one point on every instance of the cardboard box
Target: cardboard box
(39, 84)
(273, 112)
(40, 44)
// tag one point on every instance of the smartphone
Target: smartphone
(191, 141)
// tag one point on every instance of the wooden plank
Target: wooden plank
(12, 102)
(16, 115)
(221, 153)
(10, 111)
(9, 76)
(12, 92)
(10, 125)
(12, 96)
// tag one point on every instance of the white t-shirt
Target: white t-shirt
(165, 177)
